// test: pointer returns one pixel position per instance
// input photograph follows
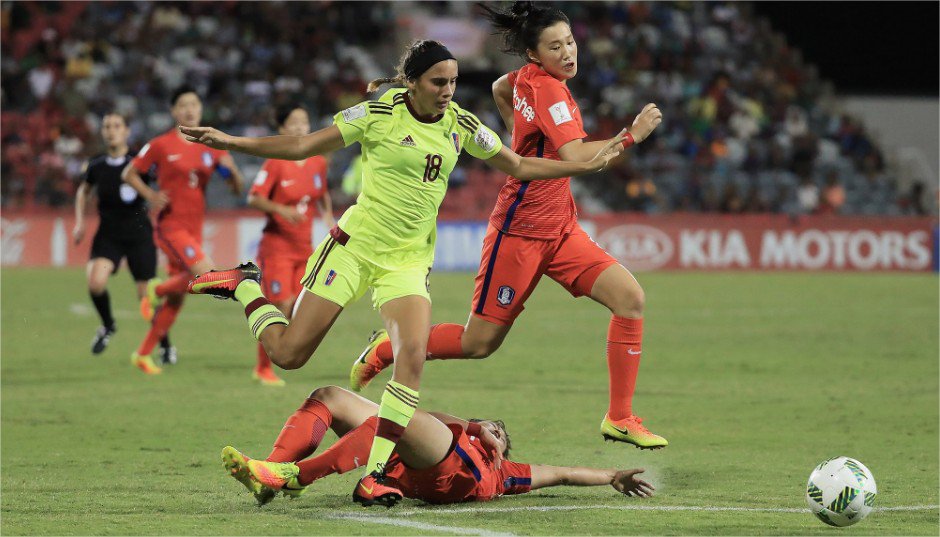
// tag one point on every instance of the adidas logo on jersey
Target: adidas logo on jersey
(408, 141)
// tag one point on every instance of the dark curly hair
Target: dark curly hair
(501, 425)
(522, 25)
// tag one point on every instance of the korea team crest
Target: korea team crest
(317, 181)
(505, 294)
(207, 159)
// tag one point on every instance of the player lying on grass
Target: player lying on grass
(439, 459)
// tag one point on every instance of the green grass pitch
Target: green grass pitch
(753, 378)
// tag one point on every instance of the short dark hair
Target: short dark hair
(283, 111)
(180, 91)
(114, 113)
(522, 25)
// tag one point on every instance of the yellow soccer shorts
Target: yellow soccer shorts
(342, 277)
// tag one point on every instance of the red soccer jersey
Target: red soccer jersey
(183, 171)
(287, 183)
(465, 475)
(545, 118)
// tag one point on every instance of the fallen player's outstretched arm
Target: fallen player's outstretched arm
(624, 481)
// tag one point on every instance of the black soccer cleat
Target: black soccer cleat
(102, 338)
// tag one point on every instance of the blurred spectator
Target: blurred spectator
(744, 116)
(833, 195)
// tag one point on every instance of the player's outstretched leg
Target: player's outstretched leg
(222, 283)
(237, 466)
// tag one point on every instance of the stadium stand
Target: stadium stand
(749, 126)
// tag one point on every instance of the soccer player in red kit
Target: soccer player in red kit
(286, 190)
(183, 170)
(440, 458)
(533, 230)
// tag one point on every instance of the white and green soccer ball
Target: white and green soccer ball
(841, 491)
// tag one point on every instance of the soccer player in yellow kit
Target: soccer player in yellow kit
(410, 138)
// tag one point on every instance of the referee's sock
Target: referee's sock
(102, 303)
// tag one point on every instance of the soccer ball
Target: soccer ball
(841, 491)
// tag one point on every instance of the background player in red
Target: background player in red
(533, 230)
(124, 229)
(440, 458)
(287, 190)
(183, 170)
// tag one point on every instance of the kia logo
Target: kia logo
(637, 247)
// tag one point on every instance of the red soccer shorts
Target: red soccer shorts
(454, 479)
(280, 277)
(182, 248)
(511, 266)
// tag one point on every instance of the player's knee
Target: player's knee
(97, 286)
(630, 302)
(482, 349)
(325, 394)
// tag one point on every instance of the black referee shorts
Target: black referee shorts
(138, 248)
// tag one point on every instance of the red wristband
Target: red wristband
(474, 429)
(629, 140)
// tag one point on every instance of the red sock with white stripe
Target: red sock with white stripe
(302, 433)
(624, 347)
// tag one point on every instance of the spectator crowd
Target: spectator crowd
(748, 125)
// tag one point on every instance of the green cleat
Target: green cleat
(278, 476)
(631, 431)
(367, 366)
(237, 466)
(150, 302)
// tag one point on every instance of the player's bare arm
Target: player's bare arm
(157, 200)
(645, 123)
(502, 93)
(488, 433)
(325, 206)
(532, 168)
(78, 232)
(282, 147)
(272, 207)
(236, 180)
(625, 482)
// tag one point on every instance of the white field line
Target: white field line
(483, 510)
(391, 521)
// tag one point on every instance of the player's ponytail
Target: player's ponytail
(417, 52)
(522, 25)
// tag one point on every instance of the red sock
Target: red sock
(348, 453)
(443, 343)
(624, 338)
(162, 321)
(263, 361)
(174, 285)
(302, 432)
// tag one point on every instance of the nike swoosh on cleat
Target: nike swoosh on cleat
(368, 491)
(201, 286)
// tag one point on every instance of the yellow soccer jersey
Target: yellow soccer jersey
(406, 163)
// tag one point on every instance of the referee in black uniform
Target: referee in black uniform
(124, 230)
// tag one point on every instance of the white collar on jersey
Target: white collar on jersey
(115, 161)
